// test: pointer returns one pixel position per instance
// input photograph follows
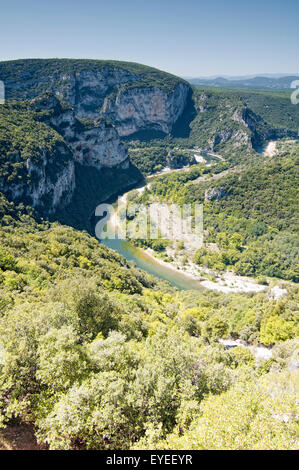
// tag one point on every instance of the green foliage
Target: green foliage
(216, 328)
(254, 224)
(61, 359)
(141, 75)
(275, 329)
(151, 156)
(99, 355)
(225, 113)
(232, 123)
(250, 416)
(7, 262)
(241, 356)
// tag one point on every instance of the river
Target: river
(177, 279)
(143, 261)
(146, 262)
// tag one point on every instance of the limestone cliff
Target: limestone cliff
(38, 173)
(70, 116)
(43, 143)
(145, 108)
(233, 123)
(132, 96)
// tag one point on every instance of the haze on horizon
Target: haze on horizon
(193, 38)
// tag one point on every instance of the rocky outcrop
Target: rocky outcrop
(45, 175)
(237, 137)
(260, 131)
(86, 90)
(142, 108)
(133, 97)
(48, 193)
(88, 105)
(212, 194)
(93, 143)
(44, 182)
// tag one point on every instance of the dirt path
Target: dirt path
(19, 437)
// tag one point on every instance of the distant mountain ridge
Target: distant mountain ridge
(255, 82)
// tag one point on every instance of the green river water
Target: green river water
(145, 262)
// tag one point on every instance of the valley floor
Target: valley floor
(223, 282)
(181, 263)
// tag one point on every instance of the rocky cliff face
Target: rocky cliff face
(50, 142)
(226, 123)
(87, 106)
(51, 193)
(93, 143)
(46, 180)
(221, 123)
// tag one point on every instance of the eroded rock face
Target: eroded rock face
(47, 180)
(112, 92)
(86, 91)
(145, 108)
(93, 143)
(212, 194)
(46, 184)
(52, 193)
(90, 106)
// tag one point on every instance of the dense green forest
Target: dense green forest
(99, 355)
(258, 202)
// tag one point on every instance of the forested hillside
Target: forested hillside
(43, 69)
(234, 124)
(256, 201)
(259, 82)
(98, 355)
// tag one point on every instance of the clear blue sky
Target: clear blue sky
(185, 37)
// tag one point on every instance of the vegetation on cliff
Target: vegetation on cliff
(258, 202)
(233, 123)
(98, 355)
(42, 69)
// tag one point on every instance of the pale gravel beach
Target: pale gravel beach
(271, 149)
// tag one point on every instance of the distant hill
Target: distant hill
(256, 83)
